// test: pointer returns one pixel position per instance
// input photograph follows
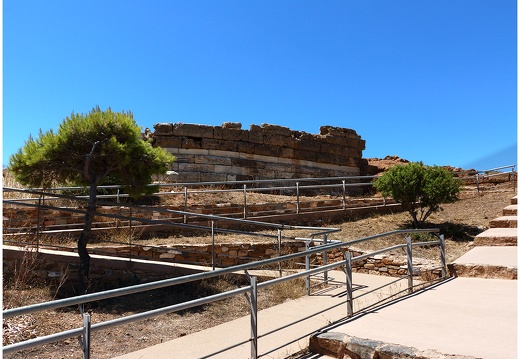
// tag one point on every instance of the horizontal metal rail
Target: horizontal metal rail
(60, 303)
(193, 185)
(189, 278)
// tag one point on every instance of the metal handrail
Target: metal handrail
(80, 300)
(217, 184)
(193, 277)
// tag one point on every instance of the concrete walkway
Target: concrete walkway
(462, 317)
(307, 314)
(472, 317)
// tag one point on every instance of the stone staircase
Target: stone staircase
(495, 251)
(502, 230)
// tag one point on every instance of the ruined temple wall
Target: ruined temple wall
(228, 152)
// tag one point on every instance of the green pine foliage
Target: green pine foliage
(88, 149)
(420, 189)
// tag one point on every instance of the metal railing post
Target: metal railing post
(297, 198)
(213, 245)
(325, 260)
(245, 201)
(38, 227)
(344, 195)
(478, 185)
(280, 251)
(185, 203)
(348, 272)
(442, 247)
(130, 236)
(85, 338)
(409, 263)
(254, 317)
(307, 268)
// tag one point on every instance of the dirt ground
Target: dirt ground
(460, 222)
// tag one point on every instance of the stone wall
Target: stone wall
(229, 153)
(230, 254)
(117, 270)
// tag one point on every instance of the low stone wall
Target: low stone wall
(55, 267)
(229, 153)
(230, 254)
(15, 219)
(117, 270)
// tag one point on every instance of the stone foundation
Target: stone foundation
(229, 153)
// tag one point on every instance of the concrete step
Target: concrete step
(461, 318)
(493, 262)
(504, 222)
(497, 237)
(510, 210)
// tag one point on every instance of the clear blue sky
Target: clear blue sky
(430, 80)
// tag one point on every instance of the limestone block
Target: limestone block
(217, 144)
(232, 125)
(163, 129)
(267, 150)
(338, 141)
(328, 343)
(217, 132)
(234, 134)
(189, 143)
(245, 147)
(243, 162)
(256, 134)
(309, 145)
(168, 142)
(281, 141)
(268, 129)
(219, 160)
(332, 149)
(305, 155)
(192, 130)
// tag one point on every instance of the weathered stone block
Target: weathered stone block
(232, 125)
(216, 144)
(267, 150)
(309, 145)
(275, 130)
(234, 134)
(163, 129)
(286, 152)
(245, 147)
(256, 134)
(281, 141)
(189, 143)
(305, 155)
(332, 149)
(168, 141)
(191, 130)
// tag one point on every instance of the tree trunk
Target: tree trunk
(84, 257)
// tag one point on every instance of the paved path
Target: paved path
(465, 316)
(209, 342)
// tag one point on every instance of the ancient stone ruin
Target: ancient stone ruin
(230, 153)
